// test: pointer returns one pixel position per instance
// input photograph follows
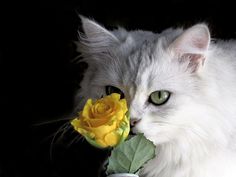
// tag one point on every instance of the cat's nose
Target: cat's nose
(134, 121)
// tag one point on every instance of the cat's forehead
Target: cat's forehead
(141, 61)
(145, 61)
(149, 67)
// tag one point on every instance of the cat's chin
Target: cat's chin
(157, 140)
(157, 137)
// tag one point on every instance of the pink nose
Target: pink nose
(134, 121)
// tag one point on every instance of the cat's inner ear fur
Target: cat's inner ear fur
(192, 45)
(96, 34)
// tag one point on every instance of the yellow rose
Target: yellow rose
(104, 122)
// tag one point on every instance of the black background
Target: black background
(38, 79)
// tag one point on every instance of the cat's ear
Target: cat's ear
(192, 46)
(97, 34)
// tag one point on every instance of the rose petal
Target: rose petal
(115, 96)
(97, 122)
(99, 111)
(120, 114)
(76, 123)
(101, 131)
(86, 111)
(96, 143)
(101, 143)
(111, 139)
(123, 103)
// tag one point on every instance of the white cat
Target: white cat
(181, 91)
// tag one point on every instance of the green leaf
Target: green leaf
(131, 155)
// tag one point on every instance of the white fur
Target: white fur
(195, 131)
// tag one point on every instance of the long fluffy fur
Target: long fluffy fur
(195, 130)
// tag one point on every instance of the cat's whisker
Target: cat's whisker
(49, 136)
(162, 123)
(199, 134)
(50, 122)
(74, 140)
(64, 131)
(80, 138)
(61, 128)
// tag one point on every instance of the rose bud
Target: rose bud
(104, 122)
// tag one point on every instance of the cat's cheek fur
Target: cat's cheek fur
(188, 139)
(158, 133)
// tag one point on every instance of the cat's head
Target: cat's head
(158, 74)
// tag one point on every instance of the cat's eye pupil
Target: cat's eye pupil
(112, 89)
(159, 97)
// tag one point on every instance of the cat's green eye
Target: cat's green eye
(111, 89)
(159, 97)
